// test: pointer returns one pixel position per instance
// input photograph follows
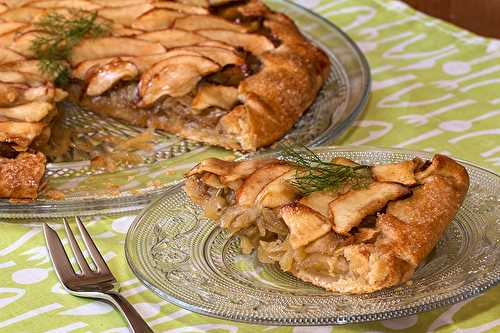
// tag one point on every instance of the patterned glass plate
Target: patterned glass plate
(87, 190)
(194, 264)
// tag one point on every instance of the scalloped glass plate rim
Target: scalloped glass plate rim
(494, 279)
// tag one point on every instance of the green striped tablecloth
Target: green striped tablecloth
(435, 88)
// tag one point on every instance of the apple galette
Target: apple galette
(345, 227)
(225, 72)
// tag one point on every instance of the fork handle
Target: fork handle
(134, 319)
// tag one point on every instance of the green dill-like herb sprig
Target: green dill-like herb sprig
(58, 36)
(314, 175)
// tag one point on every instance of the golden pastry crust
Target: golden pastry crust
(21, 177)
(286, 86)
(348, 240)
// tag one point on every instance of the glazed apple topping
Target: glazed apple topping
(210, 95)
(145, 34)
(104, 77)
(156, 19)
(90, 49)
(176, 76)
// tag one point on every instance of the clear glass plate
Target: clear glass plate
(89, 191)
(194, 264)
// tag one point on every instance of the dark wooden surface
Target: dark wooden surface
(479, 16)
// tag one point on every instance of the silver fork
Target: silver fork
(99, 283)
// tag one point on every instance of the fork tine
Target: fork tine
(58, 255)
(80, 259)
(101, 265)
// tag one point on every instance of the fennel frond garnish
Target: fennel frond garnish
(58, 36)
(314, 175)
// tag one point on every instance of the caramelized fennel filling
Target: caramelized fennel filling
(252, 225)
(172, 114)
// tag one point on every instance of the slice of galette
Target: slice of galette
(345, 227)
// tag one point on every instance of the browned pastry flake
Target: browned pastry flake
(21, 177)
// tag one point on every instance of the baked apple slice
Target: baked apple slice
(15, 94)
(402, 173)
(228, 171)
(156, 19)
(143, 63)
(7, 27)
(159, 65)
(30, 68)
(125, 32)
(319, 201)
(9, 92)
(214, 43)
(221, 56)
(23, 14)
(23, 42)
(82, 70)
(9, 76)
(125, 15)
(31, 112)
(120, 3)
(47, 93)
(104, 77)
(198, 3)
(171, 38)
(73, 4)
(279, 192)
(255, 44)
(175, 76)
(215, 95)
(7, 56)
(193, 23)
(180, 7)
(305, 224)
(257, 181)
(106, 47)
(348, 210)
